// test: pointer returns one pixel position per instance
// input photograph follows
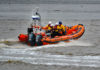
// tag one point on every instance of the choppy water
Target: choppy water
(79, 54)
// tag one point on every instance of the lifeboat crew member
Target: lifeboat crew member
(61, 28)
(56, 30)
(48, 28)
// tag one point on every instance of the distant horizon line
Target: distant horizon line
(48, 2)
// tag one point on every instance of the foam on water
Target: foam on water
(24, 53)
(11, 43)
(14, 43)
(64, 44)
(87, 61)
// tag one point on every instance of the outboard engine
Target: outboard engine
(31, 36)
(38, 40)
(31, 39)
(29, 30)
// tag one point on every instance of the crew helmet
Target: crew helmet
(60, 22)
(57, 23)
(49, 22)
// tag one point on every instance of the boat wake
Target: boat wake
(33, 55)
(14, 43)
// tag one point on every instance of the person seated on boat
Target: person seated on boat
(55, 31)
(48, 27)
(61, 28)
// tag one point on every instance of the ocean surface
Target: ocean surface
(81, 54)
(49, 1)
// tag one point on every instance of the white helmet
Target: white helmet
(49, 22)
(57, 23)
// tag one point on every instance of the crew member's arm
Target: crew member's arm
(45, 28)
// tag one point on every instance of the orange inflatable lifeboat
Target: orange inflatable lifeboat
(73, 32)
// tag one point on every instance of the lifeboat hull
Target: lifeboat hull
(72, 33)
